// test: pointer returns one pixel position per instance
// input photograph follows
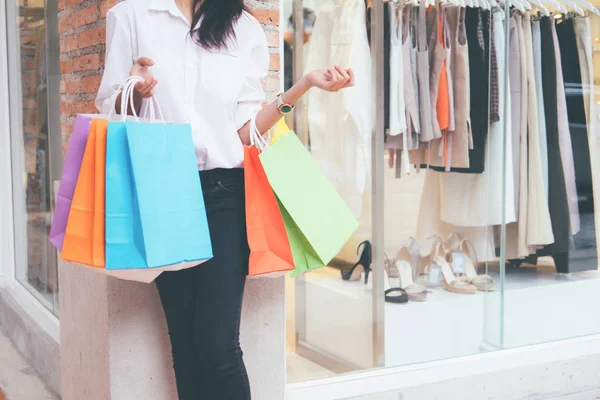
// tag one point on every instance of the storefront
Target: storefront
(344, 339)
(430, 216)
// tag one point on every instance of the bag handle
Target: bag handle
(256, 139)
(127, 98)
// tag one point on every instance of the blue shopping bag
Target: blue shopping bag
(169, 195)
(155, 213)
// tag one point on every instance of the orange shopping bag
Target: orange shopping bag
(84, 236)
(267, 237)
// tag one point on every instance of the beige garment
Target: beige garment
(432, 153)
(539, 227)
(462, 137)
(429, 222)
(584, 49)
(410, 96)
(564, 140)
(479, 200)
(516, 233)
(437, 56)
(427, 131)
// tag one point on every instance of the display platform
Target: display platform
(538, 306)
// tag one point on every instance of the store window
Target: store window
(35, 140)
(469, 155)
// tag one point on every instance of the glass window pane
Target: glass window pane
(31, 146)
(549, 295)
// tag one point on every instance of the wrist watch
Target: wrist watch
(284, 108)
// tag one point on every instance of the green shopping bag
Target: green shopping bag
(304, 255)
(317, 220)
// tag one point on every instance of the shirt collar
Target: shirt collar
(167, 5)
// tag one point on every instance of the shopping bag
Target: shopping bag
(155, 214)
(304, 255)
(68, 179)
(278, 131)
(84, 234)
(312, 203)
(270, 250)
(168, 193)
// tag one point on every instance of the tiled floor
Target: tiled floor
(18, 380)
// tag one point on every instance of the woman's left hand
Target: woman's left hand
(331, 79)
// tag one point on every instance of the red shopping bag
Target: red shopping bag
(267, 237)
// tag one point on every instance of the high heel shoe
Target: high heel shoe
(438, 249)
(362, 265)
(462, 251)
(406, 263)
(393, 293)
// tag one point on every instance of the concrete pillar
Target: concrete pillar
(115, 345)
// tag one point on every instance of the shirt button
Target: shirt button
(190, 65)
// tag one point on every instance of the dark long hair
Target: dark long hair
(218, 18)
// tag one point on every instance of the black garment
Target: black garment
(203, 304)
(558, 201)
(387, 48)
(571, 71)
(477, 25)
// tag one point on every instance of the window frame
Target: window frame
(12, 229)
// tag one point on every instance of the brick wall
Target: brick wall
(82, 44)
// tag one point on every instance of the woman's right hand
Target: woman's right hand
(141, 68)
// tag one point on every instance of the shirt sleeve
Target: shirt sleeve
(252, 95)
(119, 55)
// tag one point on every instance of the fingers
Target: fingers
(146, 89)
(351, 81)
(145, 62)
(340, 78)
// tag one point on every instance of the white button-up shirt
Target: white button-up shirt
(217, 92)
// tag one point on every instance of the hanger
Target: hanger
(556, 5)
(587, 5)
(542, 8)
(574, 7)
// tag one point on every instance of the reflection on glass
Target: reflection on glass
(548, 293)
(39, 272)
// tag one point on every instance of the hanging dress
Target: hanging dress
(564, 139)
(341, 146)
(435, 153)
(397, 111)
(477, 200)
(539, 228)
(462, 139)
(411, 99)
(427, 131)
(448, 48)
(539, 89)
(516, 233)
(559, 206)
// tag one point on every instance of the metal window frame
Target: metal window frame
(12, 204)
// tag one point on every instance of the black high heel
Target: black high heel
(363, 264)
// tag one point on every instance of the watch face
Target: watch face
(286, 109)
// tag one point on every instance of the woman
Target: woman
(204, 61)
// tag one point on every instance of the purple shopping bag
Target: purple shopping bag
(68, 179)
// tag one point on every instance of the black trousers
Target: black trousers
(203, 304)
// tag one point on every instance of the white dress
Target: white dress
(396, 104)
(539, 227)
(541, 113)
(340, 123)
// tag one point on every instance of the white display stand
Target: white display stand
(538, 307)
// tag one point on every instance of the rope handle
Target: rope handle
(256, 139)
(127, 98)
